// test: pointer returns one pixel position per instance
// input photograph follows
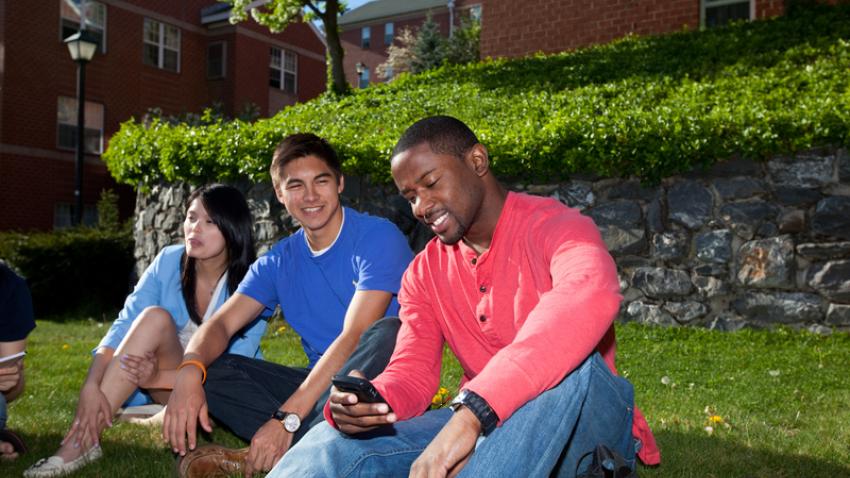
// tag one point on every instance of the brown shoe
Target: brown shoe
(212, 461)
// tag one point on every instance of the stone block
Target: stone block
(685, 312)
(805, 171)
(780, 307)
(793, 221)
(577, 194)
(623, 241)
(800, 197)
(767, 263)
(644, 313)
(838, 314)
(689, 203)
(714, 246)
(832, 217)
(670, 246)
(662, 283)
(738, 188)
(824, 250)
(832, 279)
(622, 213)
(745, 218)
(655, 216)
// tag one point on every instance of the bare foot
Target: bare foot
(7, 451)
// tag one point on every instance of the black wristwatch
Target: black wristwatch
(479, 407)
(290, 421)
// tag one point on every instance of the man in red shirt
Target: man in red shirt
(525, 293)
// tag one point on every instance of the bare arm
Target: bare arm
(271, 441)
(12, 376)
(187, 404)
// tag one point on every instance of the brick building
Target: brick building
(512, 29)
(367, 31)
(176, 56)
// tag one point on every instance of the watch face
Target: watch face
(291, 422)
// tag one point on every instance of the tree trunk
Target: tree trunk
(336, 74)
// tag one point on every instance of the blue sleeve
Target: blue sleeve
(260, 282)
(146, 293)
(16, 312)
(382, 257)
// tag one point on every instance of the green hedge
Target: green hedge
(648, 107)
(82, 269)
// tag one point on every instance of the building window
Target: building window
(67, 125)
(389, 32)
(95, 23)
(283, 70)
(363, 75)
(216, 59)
(717, 13)
(162, 45)
(365, 37)
(63, 215)
(475, 13)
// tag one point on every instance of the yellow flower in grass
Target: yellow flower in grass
(65, 346)
(441, 398)
(280, 330)
(715, 420)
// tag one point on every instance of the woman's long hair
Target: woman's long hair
(228, 210)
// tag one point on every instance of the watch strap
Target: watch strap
(479, 407)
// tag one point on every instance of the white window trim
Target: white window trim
(704, 4)
(161, 44)
(223, 44)
(102, 28)
(282, 52)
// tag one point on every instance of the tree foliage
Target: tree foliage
(277, 14)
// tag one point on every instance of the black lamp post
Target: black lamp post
(82, 46)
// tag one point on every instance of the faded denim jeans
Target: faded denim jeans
(550, 435)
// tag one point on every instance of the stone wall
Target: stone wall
(743, 244)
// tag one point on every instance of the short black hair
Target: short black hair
(443, 134)
(301, 145)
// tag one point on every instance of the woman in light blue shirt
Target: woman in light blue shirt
(183, 286)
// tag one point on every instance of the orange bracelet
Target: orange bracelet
(196, 363)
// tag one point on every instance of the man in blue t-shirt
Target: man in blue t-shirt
(333, 279)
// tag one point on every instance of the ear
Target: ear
(478, 159)
(279, 194)
(341, 184)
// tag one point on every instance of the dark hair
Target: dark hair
(229, 211)
(300, 145)
(443, 134)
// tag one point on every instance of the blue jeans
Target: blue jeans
(242, 392)
(3, 414)
(550, 435)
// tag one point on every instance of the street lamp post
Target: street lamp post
(82, 46)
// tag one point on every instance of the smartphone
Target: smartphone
(363, 388)
(10, 360)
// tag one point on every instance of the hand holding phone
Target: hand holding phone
(365, 391)
(11, 360)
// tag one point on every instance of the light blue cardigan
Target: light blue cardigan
(160, 286)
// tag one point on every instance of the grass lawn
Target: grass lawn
(778, 401)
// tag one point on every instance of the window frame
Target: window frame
(704, 5)
(73, 124)
(223, 73)
(364, 75)
(365, 38)
(161, 45)
(90, 25)
(282, 55)
(389, 36)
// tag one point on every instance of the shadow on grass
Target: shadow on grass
(697, 454)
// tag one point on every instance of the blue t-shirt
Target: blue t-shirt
(314, 291)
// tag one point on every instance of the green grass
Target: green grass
(784, 396)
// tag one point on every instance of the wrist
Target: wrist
(479, 408)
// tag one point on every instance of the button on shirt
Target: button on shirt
(519, 317)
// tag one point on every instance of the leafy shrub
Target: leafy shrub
(72, 270)
(648, 107)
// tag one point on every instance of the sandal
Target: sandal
(17, 443)
(56, 466)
